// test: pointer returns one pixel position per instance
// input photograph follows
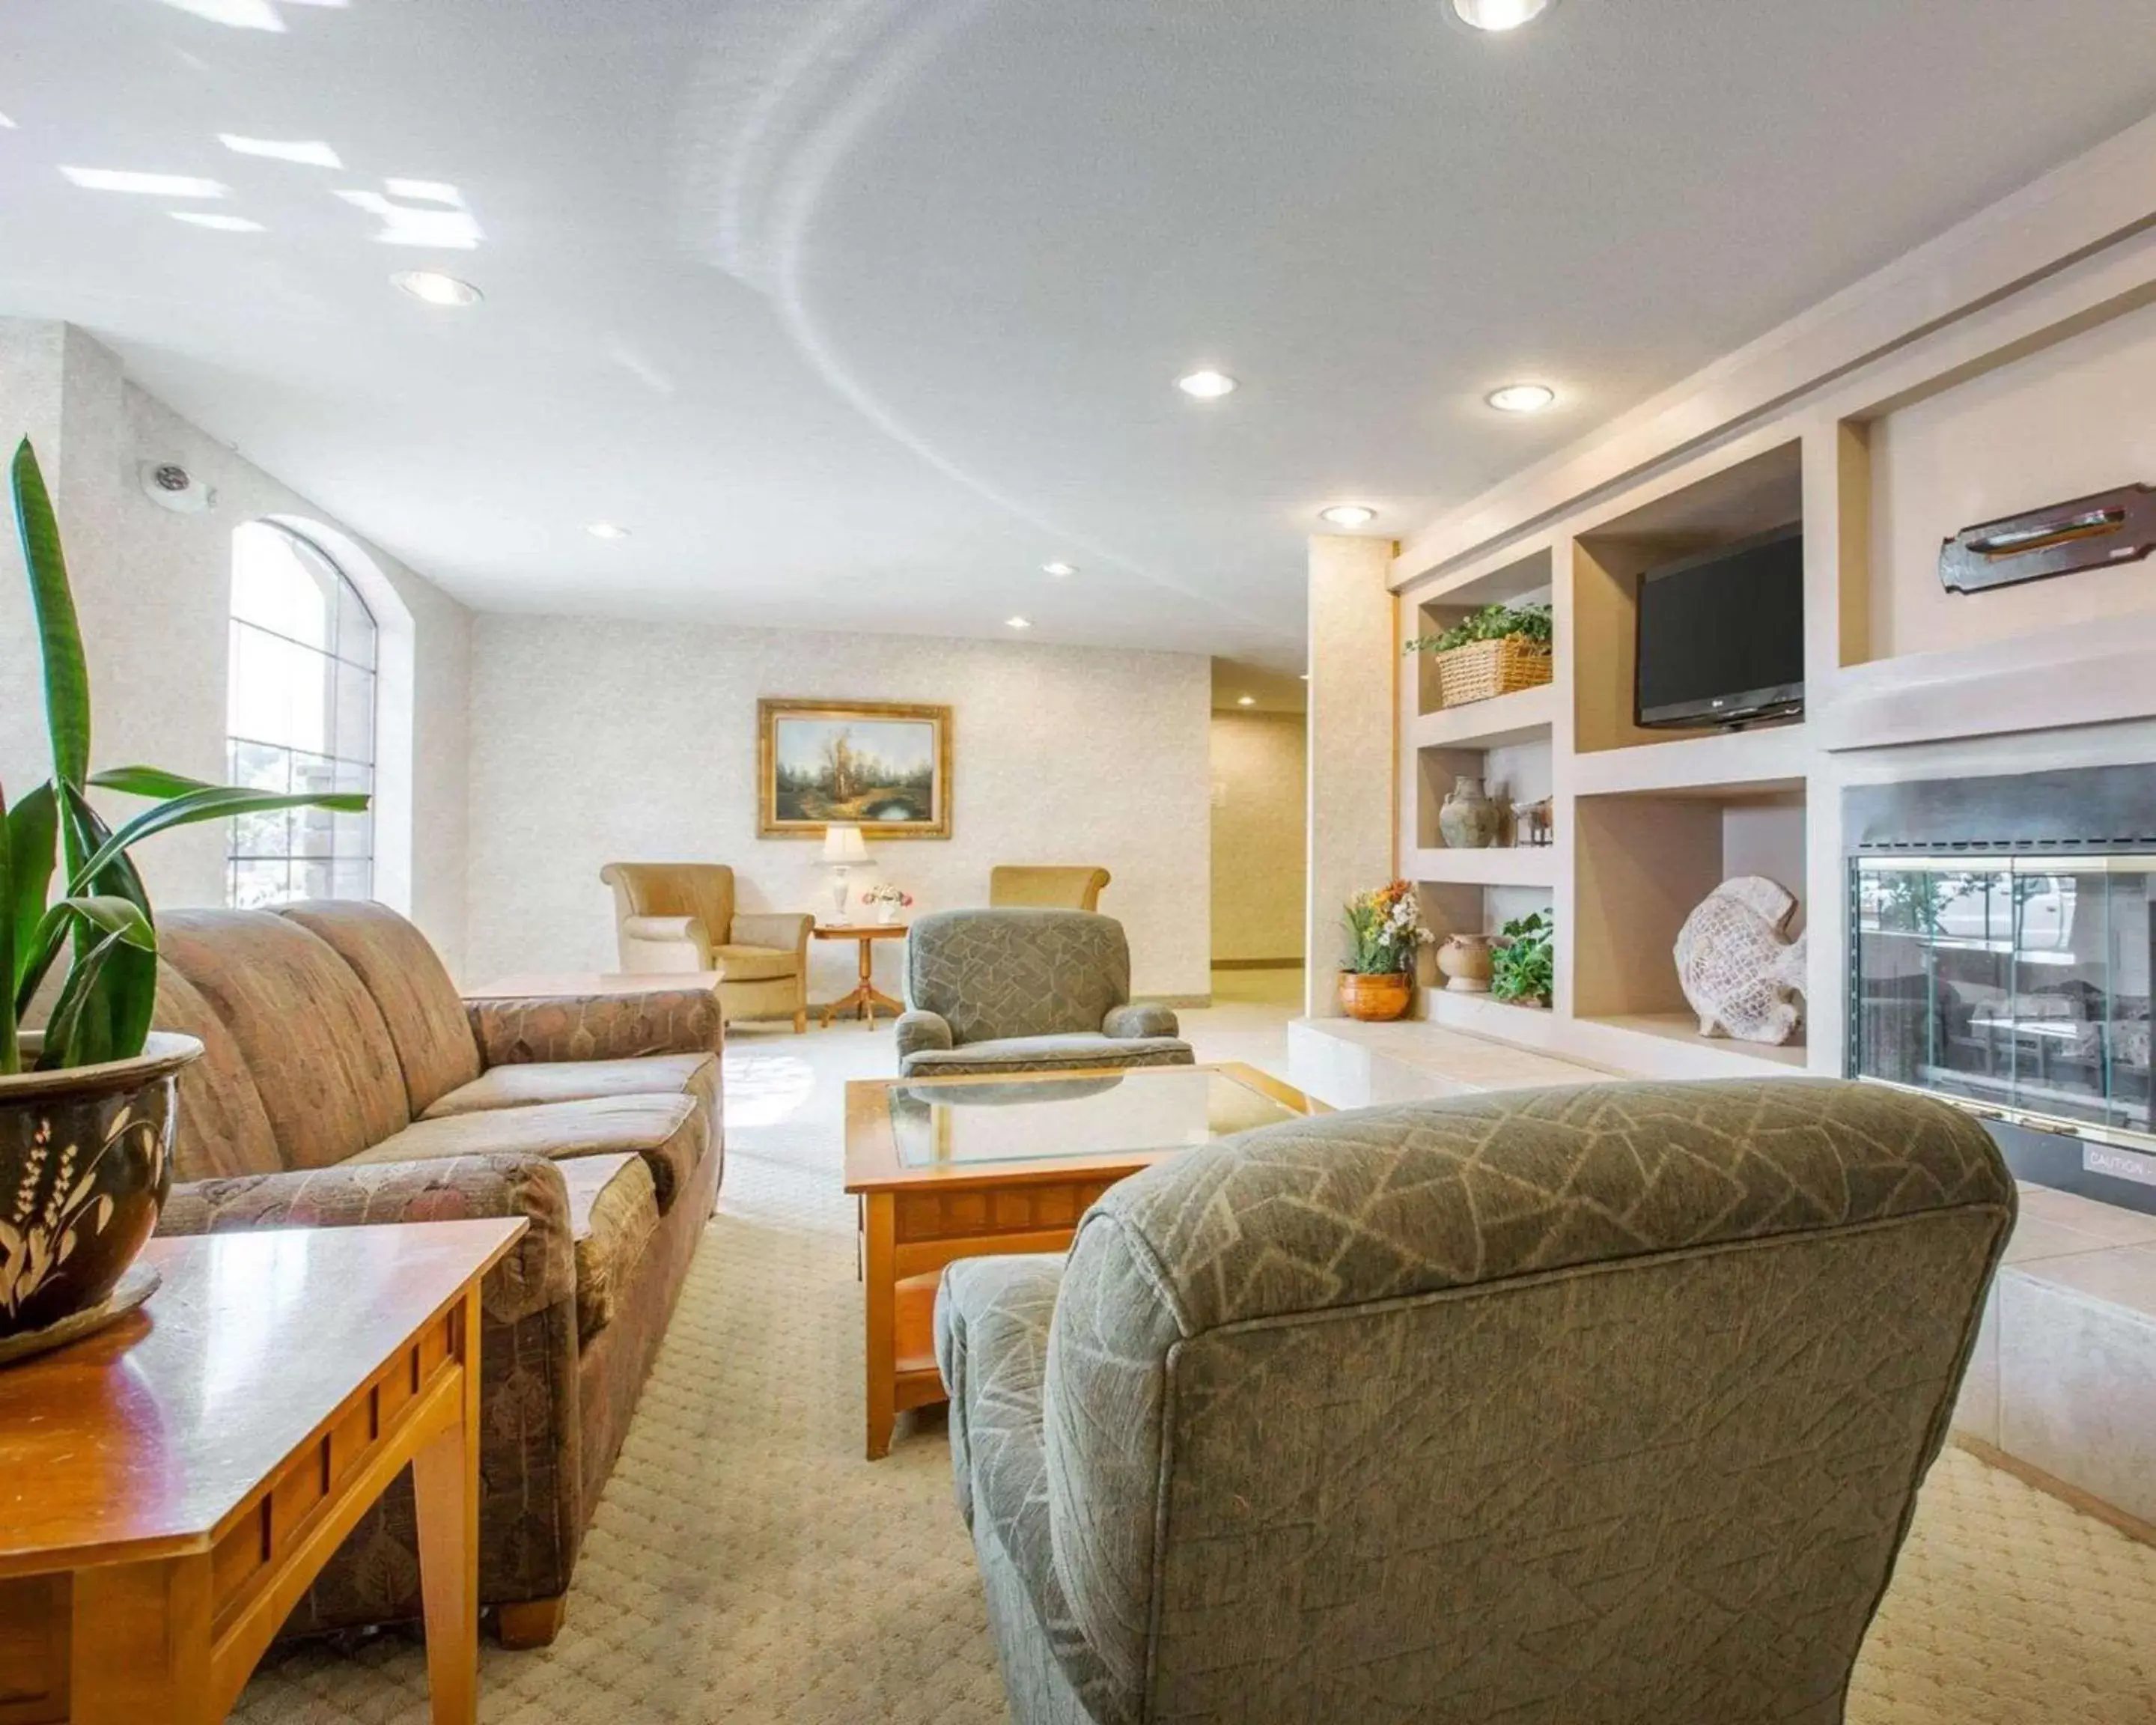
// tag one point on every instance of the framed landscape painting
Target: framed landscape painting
(881, 764)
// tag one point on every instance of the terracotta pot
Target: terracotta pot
(1464, 960)
(1375, 998)
(86, 1164)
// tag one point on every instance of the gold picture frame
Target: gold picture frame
(809, 757)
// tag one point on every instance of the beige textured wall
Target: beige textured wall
(595, 741)
(2072, 419)
(153, 588)
(1260, 871)
(1354, 659)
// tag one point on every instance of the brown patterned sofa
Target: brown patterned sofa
(344, 1081)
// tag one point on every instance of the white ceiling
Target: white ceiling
(858, 311)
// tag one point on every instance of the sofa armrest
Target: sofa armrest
(919, 1031)
(992, 1318)
(782, 931)
(1125, 1023)
(658, 1020)
(538, 1272)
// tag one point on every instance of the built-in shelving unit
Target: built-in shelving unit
(1504, 721)
(1501, 866)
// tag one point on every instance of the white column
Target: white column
(1354, 662)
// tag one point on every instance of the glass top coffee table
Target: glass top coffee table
(961, 1167)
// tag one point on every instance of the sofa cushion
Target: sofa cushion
(755, 964)
(667, 1131)
(692, 1075)
(221, 1127)
(408, 982)
(613, 1211)
(1049, 1054)
(313, 1039)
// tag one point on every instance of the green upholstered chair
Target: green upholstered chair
(1026, 990)
(1581, 1407)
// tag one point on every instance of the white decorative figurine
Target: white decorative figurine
(1739, 966)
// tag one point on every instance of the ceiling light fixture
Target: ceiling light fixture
(1306, 677)
(437, 289)
(306, 152)
(1018, 622)
(1348, 515)
(1499, 14)
(217, 224)
(119, 179)
(607, 530)
(1246, 701)
(1521, 397)
(1207, 385)
(1058, 570)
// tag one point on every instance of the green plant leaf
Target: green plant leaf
(148, 782)
(32, 836)
(11, 1053)
(59, 638)
(81, 1031)
(216, 802)
(113, 1017)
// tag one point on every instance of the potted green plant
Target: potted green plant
(1499, 649)
(87, 1104)
(1385, 930)
(1523, 963)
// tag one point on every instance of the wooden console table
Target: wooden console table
(866, 996)
(170, 1485)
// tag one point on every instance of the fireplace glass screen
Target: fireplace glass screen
(2016, 982)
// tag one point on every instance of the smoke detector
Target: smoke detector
(169, 485)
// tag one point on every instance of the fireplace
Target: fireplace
(2001, 946)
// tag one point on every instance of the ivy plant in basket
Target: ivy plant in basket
(87, 1105)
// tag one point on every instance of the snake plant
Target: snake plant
(98, 921)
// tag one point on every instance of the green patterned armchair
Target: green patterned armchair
(1580, 1407)
(1026, 990)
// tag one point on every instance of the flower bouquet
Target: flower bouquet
(1386, 930)
(886, 901)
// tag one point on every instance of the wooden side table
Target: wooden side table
(170, 1485)
(866, 996)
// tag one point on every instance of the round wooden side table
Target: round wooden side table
(866, 997)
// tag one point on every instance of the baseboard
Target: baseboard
(2132, 1526)
(1257, 964)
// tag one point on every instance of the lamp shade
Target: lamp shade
(842, 843)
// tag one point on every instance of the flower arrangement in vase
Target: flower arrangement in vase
(886, 901)
(1386, 930)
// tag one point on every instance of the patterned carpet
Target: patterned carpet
(747, 1565)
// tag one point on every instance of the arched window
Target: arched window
(299, 717)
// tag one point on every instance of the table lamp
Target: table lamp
(842, 849)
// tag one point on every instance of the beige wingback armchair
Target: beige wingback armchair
(676, 917)
(1056, 889)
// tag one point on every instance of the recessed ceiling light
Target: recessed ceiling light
(1521, 397)
(310, 152)
(607, 530)
(1499, 14)
(222, 224)
(1058, 570)
(117, 179)
(1206, 386)
(1306, 677)
(437, 289)
(1018, 622)
(1348, 515)
(1246, 701)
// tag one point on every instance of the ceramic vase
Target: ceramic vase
(887, 912)
(86, 1164)
(1468, 820)
(1373, 999)
(1464, 961)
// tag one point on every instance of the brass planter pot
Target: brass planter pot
(1375, 998)
(86, 1164)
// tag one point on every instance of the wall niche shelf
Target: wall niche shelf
(1515, 865)
(1771, 758)
(1501, 721)
(1671, 1045)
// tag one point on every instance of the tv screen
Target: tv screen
(1721, 634)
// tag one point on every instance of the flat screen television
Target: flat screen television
(1721, 634)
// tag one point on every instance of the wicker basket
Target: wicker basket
(1483, 669)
